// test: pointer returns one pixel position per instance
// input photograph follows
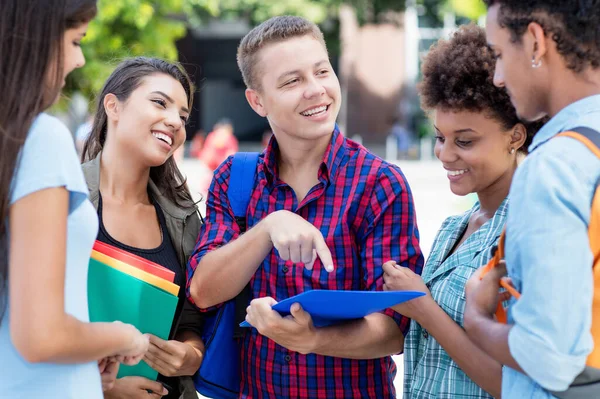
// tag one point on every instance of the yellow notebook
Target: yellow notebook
(151, 279)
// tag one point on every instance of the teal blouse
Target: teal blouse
(429, 372)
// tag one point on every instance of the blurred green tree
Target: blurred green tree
(432, 11)
(471, 9)
(322, 12)
(126, 28)
(257, 11)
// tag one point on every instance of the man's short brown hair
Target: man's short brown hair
(273, 30)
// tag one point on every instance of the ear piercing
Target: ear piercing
(535, 64)
(512, 150)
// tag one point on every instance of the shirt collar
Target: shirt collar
(270, 158)
(331, 159)
(565, 119)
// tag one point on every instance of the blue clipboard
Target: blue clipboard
(328, 307)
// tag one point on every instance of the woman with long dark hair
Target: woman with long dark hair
(143, 204)
(47, 224)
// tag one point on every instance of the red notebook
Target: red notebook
(135, 261)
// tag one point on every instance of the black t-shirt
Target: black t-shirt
(164, 255)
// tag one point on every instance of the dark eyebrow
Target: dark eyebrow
(184, 109)
(296, 71)
(467, 130)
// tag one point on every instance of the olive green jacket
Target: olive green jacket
(183, 224)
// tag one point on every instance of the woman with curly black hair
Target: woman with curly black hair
(548, 59)
(479, 138)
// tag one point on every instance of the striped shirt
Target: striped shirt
(429, 372)
(364, 209)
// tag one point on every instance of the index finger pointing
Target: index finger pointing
(323, 252)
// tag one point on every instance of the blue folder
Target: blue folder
(328, 307)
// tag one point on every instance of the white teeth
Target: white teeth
(314, 111)
(163, 137)
(456, 172)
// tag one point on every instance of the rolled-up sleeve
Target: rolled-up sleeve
(549, 257)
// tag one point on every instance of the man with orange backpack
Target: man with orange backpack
(548, 59)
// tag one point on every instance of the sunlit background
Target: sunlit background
(375, 47)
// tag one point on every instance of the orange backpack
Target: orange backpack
(588, 382)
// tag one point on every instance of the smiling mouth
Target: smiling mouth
(457, 172)
(315, 111)
(163, 137)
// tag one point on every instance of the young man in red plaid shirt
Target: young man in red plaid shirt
(324, 213)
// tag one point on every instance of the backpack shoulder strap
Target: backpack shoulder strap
(241, 183)
(590, 376)
(497, 256)
(589, 137)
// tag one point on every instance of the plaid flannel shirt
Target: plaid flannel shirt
(429, 372)
(364, 209)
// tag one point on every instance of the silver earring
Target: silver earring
(535, 64)
(512, 150)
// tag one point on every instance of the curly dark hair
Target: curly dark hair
(458, 75)
(573, 25)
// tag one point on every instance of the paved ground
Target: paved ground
(431, 193)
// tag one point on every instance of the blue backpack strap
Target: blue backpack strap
(241, 183)
(219, 374)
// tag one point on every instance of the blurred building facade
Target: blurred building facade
(378, 68)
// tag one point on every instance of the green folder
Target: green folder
(113, 295)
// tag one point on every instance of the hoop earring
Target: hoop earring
(535, 64)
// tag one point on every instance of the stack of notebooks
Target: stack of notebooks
(133, 290)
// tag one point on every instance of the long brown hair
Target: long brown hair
(127, 77)
(31, 37)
